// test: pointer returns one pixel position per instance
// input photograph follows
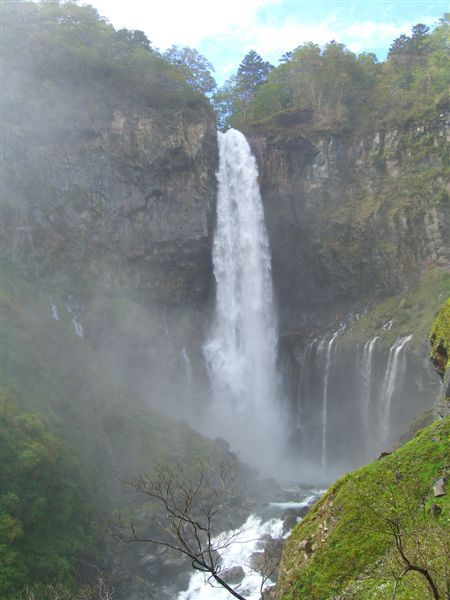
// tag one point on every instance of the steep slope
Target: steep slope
(346, 547)
(381, 531)
(71, 432)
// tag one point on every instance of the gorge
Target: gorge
(171, 294)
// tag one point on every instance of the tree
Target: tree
(252, 72)
(399, 509)
(196, 68)
(193, 501)
(135, 38)
(190, 506)
(224, 101)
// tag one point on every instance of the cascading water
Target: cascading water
(366, 371)
(187, 371)
(393, 371)
(72, 310)
(54, 309)
(328, 356)
(241, 349)
(349, 403)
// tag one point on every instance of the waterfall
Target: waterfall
(242, 346)
(325, 397)
(71, 309)
(188, 372)
(303, 387)
(54, 309)
(393, 370)
(366, 371)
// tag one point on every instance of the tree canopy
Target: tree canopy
(196, 68)
(341, 87)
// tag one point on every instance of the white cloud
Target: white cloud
(225, 31)
(273, 40)
(181, 22)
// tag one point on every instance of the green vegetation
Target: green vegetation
(59, 47)
(46, 510)
(346, 546)
(70, 431)
(346, 90)
(440, 339)
(410, 313)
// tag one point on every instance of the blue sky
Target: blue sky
(225, 31)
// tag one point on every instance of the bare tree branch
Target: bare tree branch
(190, 502)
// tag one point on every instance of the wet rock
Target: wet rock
(292, 516)
(258, 562)
(270, 593)
(233, 575)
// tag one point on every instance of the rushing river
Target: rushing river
(248, 540)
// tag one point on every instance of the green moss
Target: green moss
(353, 549)
(440, 338)
(409, 313)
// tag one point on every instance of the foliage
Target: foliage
(346, 90)
(69, 429)
(345, 546)
(45, 510)
(196, 68)
(440, 338)
(233, 100)
(52, 45)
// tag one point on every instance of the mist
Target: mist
(176, 295)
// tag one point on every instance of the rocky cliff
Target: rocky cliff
(124, 202)
(353, 217)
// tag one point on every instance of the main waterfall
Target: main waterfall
(241, 349)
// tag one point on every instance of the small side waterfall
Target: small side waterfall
(326, 378)
(242, 347)
(188, 372)
(366, 374)
(348, 402)
(394, 369)
(54, 309)
(72, 310)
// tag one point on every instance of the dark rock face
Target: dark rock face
(352, 217)
(126, 203)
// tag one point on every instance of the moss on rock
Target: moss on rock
(440, 339)
(345, 547)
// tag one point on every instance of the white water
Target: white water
(302, 390)
(237, 554)
(242, 347)
(54, 309)
(325, 397)
(187, 371)
(392, 373)
(75, 322)
(367, 364)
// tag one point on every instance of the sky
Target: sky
(225, 31)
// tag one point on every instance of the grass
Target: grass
(354, 552)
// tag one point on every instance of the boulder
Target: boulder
(233, 575)
(439, 487)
